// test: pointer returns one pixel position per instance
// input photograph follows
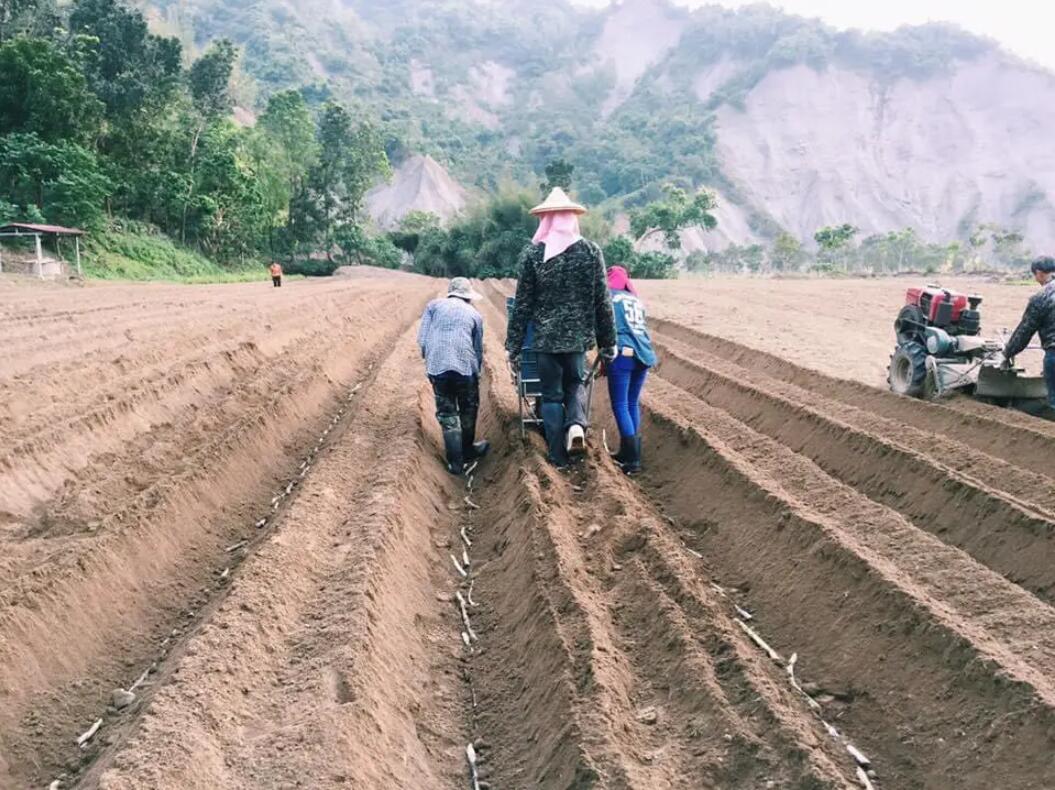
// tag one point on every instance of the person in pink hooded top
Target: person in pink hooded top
(563, 292)
(628, 371)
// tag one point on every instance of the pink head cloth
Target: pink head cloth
(558, 230)
(619, 280)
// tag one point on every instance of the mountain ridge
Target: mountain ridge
(644, 92)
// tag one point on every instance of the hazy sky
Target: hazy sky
(1023, 26)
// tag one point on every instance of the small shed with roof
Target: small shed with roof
(44, 267)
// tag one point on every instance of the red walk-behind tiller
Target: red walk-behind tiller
(940, 350)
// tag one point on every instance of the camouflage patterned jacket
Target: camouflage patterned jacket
(566, 297)
(1039, 317)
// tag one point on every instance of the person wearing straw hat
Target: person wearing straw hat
(563, 291)
(451, 338)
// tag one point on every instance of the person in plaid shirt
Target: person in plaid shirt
(451, 338)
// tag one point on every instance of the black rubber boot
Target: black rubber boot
(553, 424)
(625, 443)
(452, 443)
(472, 450)
(632, 464)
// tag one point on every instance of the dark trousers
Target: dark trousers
(277, 282)
(564, 381)
(1049, 375)
(457, 400)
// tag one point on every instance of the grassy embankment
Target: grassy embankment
(128, 255)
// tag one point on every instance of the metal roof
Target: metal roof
(50, 230)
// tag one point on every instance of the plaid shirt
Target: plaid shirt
(452, 337)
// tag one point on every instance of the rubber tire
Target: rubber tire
(907, 374)
(909, 325)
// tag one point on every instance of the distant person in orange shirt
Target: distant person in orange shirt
(276, 274)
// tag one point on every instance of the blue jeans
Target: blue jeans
(1049, 375)
(626, 378)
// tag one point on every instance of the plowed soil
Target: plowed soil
(232, 500)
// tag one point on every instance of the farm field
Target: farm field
(231, 500)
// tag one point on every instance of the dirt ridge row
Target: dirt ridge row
(997, 512)
(664, 697)
(130, 580)
(910, 631)
(1014, 437)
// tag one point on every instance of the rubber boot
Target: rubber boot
(632, 464)
(553, 425)
(624, 450)
(472, 450)
(452, 443)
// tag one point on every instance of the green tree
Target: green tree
(228, 216)
(558, 174)
(42, 92)
(835, 242)
(367, 249)
(414, 226)
(754, 258)
(596, 228)
(673, 214)
(486, 242)
(126, 66)
(620, 251)
(209, 82)
(989, 244)
(786, 253)
(351, 159)
(210, 79)
(59, 181)
(653, 266)
(284, 150)
(419, 222)
(1008, 248)
(32, 17)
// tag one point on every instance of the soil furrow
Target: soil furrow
(899, 550)
(638, 651)
(140, 538)
(331, 661)
(1016, 438)
(960, 498)
(928, 648)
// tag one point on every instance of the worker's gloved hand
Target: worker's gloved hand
(609, 354)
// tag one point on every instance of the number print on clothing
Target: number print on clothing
(635, 314)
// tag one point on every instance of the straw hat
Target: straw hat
(558, 201)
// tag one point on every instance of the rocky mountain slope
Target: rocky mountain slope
(795, 124)
(941, 155)
(419, 184)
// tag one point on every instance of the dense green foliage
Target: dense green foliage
(488, 240)
(676, 212)
(101, 121)
(835, 243)
(989, 247)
